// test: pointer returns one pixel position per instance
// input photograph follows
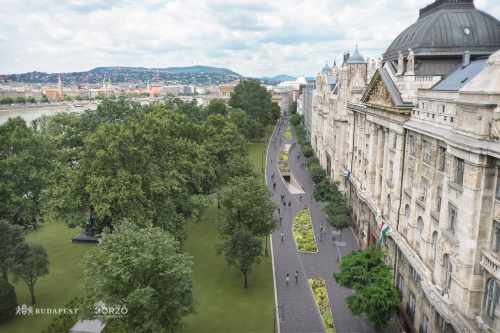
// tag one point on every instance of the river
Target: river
(30, 113)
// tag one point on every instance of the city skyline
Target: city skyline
(252, 38)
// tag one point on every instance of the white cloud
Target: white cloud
(252, 37)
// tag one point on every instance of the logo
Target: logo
(24, 310)
(110, 310)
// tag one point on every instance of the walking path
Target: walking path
(297, 311)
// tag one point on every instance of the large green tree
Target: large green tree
(242, 249)
(255, 100)
(11, 240)
(8, 301)
(248, 217)
(367, 273)
(144, 271)
(32, 262)
(247, 202)
(25, 167)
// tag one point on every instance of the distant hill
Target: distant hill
(181, 75)
(277, 79)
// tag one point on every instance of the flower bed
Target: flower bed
(303, 232)
(320, 294)
(288, 134)
(283, 162)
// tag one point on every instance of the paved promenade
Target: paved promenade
(297, 310)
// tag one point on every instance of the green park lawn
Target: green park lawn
(61, 285)
(222, 304)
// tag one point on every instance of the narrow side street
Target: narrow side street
(298, 312)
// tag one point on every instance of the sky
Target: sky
(251, 37)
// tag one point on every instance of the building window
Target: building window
(388, 213)
(434, 245)
(448, 270)
(498, 185)
(411, 306)
(412, 144)
(427, 152)
(459, 171)
(439, 193)
(420, 229)
(394, 141)
(424, 185)
(491, 298)
(496, 236)
(400, 283)
(391, 172)
(414, 275)
(424, 326)
(442, 158)
(452, 218)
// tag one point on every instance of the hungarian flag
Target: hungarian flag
(385, 229)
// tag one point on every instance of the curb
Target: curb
(278, 322)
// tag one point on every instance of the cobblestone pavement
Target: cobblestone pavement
(298, 312)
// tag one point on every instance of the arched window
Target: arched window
(491, 298)
(434, 245)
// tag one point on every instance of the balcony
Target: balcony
(491, 263)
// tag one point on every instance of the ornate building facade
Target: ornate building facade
(415, 143)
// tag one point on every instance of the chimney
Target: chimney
(466, 59)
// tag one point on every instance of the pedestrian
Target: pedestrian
(279, 211)
(289, 204)
(296, 277)
(284, 203)
(287, 279)
(321, 231)
(274, 186)
(300, 197)
(282, 235)
(281, 221)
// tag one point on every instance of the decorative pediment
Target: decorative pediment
(377, 93)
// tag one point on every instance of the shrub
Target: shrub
(307, 151)
(336, 211)
(295, 119)
(323, 191)
(317, 173)
(8, 301)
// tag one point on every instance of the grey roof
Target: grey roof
(356, 58)
(88, 326)
(461, 76)
(441, 31)
(326, 69)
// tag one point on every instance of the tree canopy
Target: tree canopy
(367, 273)
(144, 271)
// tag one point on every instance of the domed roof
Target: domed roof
(448, 28)
(356, 58)
(326, 69)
